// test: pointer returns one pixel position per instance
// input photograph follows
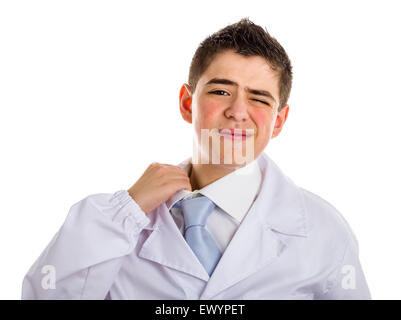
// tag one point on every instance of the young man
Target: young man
(217, 226)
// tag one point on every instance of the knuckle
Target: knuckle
(165, 183)
(160, 167)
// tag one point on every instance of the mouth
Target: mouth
(236, 134)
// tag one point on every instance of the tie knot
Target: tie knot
(196, 210)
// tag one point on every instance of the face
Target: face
(236, 100)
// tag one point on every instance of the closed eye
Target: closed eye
(262, 102)
(215, 92)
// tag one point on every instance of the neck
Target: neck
(204, 174)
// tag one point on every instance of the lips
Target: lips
(236, 132)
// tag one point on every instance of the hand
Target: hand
(157, 184)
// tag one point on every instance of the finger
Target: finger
(178, 170)
(181, 183)
(175, 167)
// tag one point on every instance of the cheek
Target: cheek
(264, 126)
(262, 121)
(208, 115)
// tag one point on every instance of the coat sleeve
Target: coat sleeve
(84, 257)
(348, 281)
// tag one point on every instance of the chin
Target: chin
(235, 157)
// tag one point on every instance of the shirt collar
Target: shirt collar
(233, 193)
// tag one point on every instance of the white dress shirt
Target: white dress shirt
(233, 195)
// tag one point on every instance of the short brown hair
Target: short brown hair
(248, 39)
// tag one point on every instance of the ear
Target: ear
(186, 103)
(280, 120)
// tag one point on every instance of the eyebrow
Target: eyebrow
(232, 83)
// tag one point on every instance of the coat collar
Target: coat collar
(278, 209)
(282, 205)
(280, 202)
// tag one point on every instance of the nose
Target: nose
(238, 110)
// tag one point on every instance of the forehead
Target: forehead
(253, 72)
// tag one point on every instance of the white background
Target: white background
(89, 97)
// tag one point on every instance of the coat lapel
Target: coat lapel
(166, 246)
(277, 208)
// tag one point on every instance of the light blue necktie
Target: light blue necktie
(196, 211)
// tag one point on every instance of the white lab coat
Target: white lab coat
(292, 244)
